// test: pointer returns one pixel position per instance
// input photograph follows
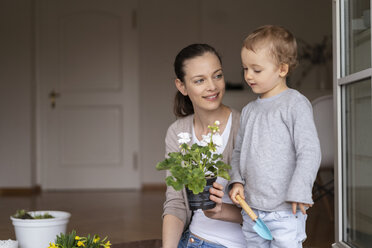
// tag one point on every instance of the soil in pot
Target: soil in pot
(201, 200)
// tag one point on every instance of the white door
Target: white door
(88, 94)
(353, 92)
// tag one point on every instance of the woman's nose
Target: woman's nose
(211, 85)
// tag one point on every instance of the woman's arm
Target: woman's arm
(172, 231)
(222, 211)
(175, 214)
(225, 212)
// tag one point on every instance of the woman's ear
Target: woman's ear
(180, 86)
(283, 70)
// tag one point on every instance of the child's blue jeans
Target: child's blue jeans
(287, 229)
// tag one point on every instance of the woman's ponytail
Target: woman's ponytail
(182, 105)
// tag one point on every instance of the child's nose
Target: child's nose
(248, 76)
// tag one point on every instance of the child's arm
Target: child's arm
(237, 189)
(235, 172)
(308, 156)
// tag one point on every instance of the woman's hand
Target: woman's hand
(216, 195)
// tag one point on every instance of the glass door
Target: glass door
(352, 91)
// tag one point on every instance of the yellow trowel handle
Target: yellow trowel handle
(246, 208)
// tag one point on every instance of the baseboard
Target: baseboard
(154, 187)
(20, 191)
(37, 189)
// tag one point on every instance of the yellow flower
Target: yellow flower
(96, 239)
(108, 244)
(77, 238)
(52, 245)
(80, 243)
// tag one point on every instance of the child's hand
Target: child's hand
(301, 205)
(237, 189)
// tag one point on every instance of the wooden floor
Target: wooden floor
(126, 216)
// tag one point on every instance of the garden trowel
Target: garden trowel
(260, 227)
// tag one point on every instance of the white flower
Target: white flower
(217, 139)
(217, 123)
(183, 163)
(184, 138)
(208, 173)
(206, 139)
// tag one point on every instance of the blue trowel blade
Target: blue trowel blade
(262, 229)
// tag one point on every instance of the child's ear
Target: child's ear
(180, 86)
(283, 70)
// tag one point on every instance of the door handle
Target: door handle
(53, 95)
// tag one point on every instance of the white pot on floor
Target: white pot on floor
(37, 233)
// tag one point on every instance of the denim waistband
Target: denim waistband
(200, 242)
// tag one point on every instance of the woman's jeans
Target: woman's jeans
(287, 229)
(190, 241)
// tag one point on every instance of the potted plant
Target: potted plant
(196, 167)
(35, 229)
(9, 243)
(71, 240)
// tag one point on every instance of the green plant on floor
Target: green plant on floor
(71, 240)
(192, 165)
(24, 214)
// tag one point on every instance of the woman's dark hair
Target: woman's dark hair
(182, 104)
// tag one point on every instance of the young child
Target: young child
(277, 151)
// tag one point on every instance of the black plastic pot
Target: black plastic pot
(201, 200)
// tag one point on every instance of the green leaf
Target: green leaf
(163, 165)
(223, 174)
(217, 157)
(208, 153)
(196, 181)
(187, 157)
(175, 155)
(221, 165)
(184, 146)
(195, 146)
(176, 184)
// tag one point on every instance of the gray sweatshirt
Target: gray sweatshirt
(277, 152)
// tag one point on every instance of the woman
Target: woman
(198, 103)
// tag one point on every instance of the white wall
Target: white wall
(165, 26)
(16, 101)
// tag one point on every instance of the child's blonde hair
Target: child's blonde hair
(283, 45)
